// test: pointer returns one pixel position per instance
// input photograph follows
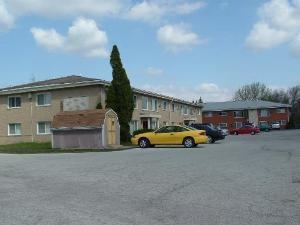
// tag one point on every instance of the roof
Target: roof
(241, 105)
(79, 119)
(77, 81)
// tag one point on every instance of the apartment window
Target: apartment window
(173, 107)
(43, 99)
(135, 101)
(134, 125)
(165, 105)
(43, 127)
(154, 104)
(185, 110)
(199, 111)
(283, 122)
(208, 114)
(144, 103)
(14, 102)
(238, 124)
(223, 113)
(280, 110)
(223, 125)
(14, 129)
(264, 113)
(239, 114)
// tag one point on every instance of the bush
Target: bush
(140, 131)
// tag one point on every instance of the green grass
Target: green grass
(45, 147)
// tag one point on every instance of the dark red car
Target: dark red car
(246, 129)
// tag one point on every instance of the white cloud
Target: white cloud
(58, 8)
(177, 37)
(279, 23)
(84, 38)
(154, 11)
(263, 36)
(208, 92)
(6, 19)
(152, 71)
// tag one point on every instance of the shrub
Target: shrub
(140, 131)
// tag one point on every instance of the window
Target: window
(173, 107)
(238, 124)
(165, 104)
(264, 113)
(239, 114)
(199, 111)
(208, 114)
(144, 103)
(134, 125)
(14, 102)
(43, 99)
(43, 127)
(14, 129)
(135, 101)
(283, 122)
(280, 110)
(223, 113)
(154, 104)
(223, 125)
(185, 110)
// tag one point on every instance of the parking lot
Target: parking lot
(244, 179)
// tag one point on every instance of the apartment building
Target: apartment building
(27, 111)
(233, 114)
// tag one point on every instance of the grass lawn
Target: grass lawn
(45, 147)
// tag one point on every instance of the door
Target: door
(111, 130)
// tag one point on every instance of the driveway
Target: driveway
(237, 181)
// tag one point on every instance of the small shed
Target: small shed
(86, 129)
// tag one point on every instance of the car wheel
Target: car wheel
(188, 142)
(209, 139)
(236, 133)
(144, 143)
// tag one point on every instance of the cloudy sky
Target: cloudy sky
(182, 48)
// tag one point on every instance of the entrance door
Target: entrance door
(145, 124)
(111, 130)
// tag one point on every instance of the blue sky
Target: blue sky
(187, 49)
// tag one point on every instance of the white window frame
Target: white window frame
(154, 104)
(17, 132)
(238, 124)
(223, 125)
(47, 129)
(144, 98)
(264, 113)
(280, 110)
(45, 99)
(223, 113)
(165, 105)
(208, 114)
(283, 122)
(15, 97)
(239, 112)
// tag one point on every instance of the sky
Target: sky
(185, 49)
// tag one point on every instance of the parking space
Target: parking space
(244, 179)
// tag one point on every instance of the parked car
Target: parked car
(171, 135)
(275, 125)
(264, 127)
(224, 130)
(246, 129)
(212, 133)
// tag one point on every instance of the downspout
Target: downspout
(31, 116)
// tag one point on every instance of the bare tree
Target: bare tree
(254, 91)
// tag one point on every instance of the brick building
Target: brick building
(234, 114)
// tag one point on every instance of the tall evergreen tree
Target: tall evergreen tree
(119, 94)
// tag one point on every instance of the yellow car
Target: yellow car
(171, 135)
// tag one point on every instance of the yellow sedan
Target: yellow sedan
(171, 135)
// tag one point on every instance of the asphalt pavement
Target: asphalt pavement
(242, 180)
